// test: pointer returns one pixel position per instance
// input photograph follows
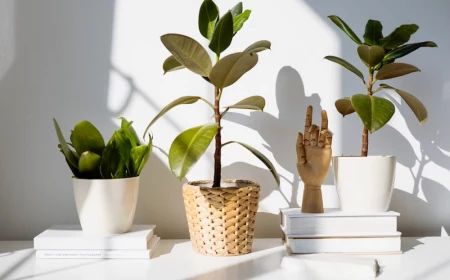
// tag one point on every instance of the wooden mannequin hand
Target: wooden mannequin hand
(313, 160)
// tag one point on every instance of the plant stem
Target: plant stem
(365, 133)
(218, 151)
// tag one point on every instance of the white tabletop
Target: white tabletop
(423, 258)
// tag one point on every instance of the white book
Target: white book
(335, 222)
(71, 237)
(379, 244)
(101, 254)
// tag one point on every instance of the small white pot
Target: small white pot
(106, 206)
(364, 184)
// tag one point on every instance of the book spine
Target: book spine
(94, 254)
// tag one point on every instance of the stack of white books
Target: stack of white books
(335, 231)
(70, 242)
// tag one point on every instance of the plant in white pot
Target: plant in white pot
(105, 177)
(365, 183)
(220, 213)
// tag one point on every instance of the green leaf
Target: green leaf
(130, 133)
(344, 106)
(188, 147)
(261, 157)
(407, 49)
(139, 157)
(70, 157)
(121, 171)
(370, 55)
(172, 64)
(86, 137)
(252, 103)
(189, 53)
(258, 46)
(239, 20)
(344, 27)
(399, 36)
(395, 70)
(222, 35)
(110, 160)
(124, 146)
(374, 111)
(237, 10)
(230, 68)
(207, 17)
(346, 65)
(168, 107)
(89, 165)
(416, 106)
(373, 33)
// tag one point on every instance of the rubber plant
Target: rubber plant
(89, 158)
(187, 53)
(379, 54)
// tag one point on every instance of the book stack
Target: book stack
(335, 231)
(70, 242)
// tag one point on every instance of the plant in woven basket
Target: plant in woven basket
(379, 54)
(187, 53)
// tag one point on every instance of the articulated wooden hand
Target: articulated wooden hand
(313, 161)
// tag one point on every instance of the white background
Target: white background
(99, 60)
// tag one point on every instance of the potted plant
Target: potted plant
(105, 177)
(365, 183)
(220, 213)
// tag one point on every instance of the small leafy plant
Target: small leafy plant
(379, 53)
(89, 158)
(186, 52)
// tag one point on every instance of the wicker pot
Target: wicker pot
(221, 220)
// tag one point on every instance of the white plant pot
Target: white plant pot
(364, 184)
(106, 206)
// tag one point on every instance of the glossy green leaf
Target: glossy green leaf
(344, 106)
(172, 64)
(168, 107)
(374, 111)
(399, 36)
(130, 133)
(344, 27)
(89, 164)
(416, 106)
(407, 49)
(239, 20)
(237, 10)
(110, 160)
(139, 157)
(207, 17)
(188, 147)
(86, 137)
(258, 46)
(395, 70)
(230, 68)
(261, 157)
(189, 53)
(370, 55)
(251, 103)
(346, 65)
(373, 32)
(124, 146)
(222, 35)
(70, 157)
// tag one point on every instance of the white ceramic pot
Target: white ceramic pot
(106, 206)
(364, 184)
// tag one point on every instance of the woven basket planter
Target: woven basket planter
(221, 220)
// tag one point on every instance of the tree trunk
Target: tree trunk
(365, 133)
(218, 151)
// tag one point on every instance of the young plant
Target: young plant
(186, 52)
(89, 158)
(379, 54)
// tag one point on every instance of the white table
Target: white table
(423, 258)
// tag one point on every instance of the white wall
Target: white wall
(99, 60)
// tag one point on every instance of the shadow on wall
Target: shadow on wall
(418, 217)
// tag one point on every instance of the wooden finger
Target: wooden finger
(328, 140)
(314, 135)
(324, 125)
(301, 156)
(321, 143)
(308, 119)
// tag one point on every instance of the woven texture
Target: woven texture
(221, 220)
